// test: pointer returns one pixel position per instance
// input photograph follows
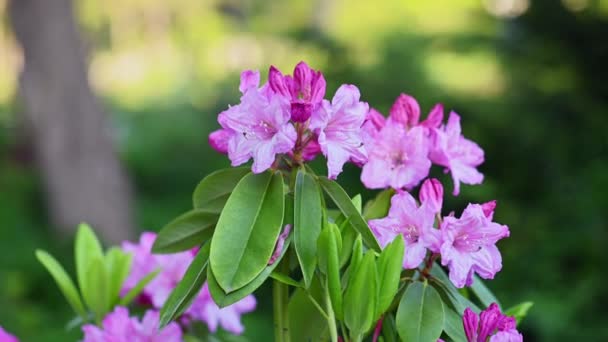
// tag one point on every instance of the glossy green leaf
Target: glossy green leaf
(138, 288)
(86, 248)
(213, 191)
(390, 264)
(96, 290)
(449, 292)
(519, 311)
(223, 299)
(357, 202)
(186, 290)
(189, 230)
(453, 326)
(118, 264)
(330, 231)
(331, 246)
(307, 223)
(306, 323)
(247, 230)
(379, 206)
(348, 209)
(481, 291)
(359, 298)
(420, 316)
(63, 280)
(348, 239)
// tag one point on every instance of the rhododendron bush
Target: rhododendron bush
(399, 267)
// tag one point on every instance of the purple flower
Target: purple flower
(491, 323)
(468, 245)
(6, 337)
(229, 318)
(117, 326)
(173, 267)
(219, 140)
(405, 110)
(397, 158)
(458, 154)
(431, 193)
(305, 90)
(257, 128)
(374, 121)
(414, 222)
(338, 128)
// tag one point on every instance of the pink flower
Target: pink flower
(173, 267)
(119, 327)
(6, 337)
(414, 222)
(458, 154)
(257, 128)
(374, 121)
(468, 245)
(305, 90)
(229, 318)
(406, 111)
(431, 193)
(338, 128)
(492, 324)
(397, 158)
(219, 140)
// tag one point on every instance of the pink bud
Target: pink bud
(431, 194)
(435, 117)
(488, 209)
(311, 150)
(219, 140)
(300, 111)
(405, 110)
(375, 118)
(278, 83)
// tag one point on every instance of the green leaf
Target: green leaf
(453, 326)
(86, 248)
(307, 223)
(485, 296)
(331, 246)
(118, 264)
(306, 323)
(420, 316)
(285, 279)
(95, 292)
(223, 299)
(138, 288)
(186, 290)
(357, 202)
(63, 280)
(379, 206)
(449, 292)
(389, 329)
(247, 230)
(213, 191)
(390, 264)
(359, 298)
(348, 209)
(519, 311)
(348, 239)
(189, 230)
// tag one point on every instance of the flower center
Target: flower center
(468, 243)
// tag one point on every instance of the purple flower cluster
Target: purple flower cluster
(289, 115)
(402, 148)
(492, 324)
(118, 326)
(172, 269)
(467, 245)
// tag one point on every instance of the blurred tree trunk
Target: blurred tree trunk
(83, 179)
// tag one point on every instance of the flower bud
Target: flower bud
(219, 140)
(431, 194)
(405, 110)
(488, 209)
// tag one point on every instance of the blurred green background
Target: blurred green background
(529, 79)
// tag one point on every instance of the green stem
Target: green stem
(280, 299)
(331, 318)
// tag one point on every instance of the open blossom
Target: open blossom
(257, 128)
(414, 222)
(305, 90)
(491, 323)
(172, 269)
(397, 158)
(338, 128)
(468, 245)
(6, 337)
(117, 326)
(458, 154)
